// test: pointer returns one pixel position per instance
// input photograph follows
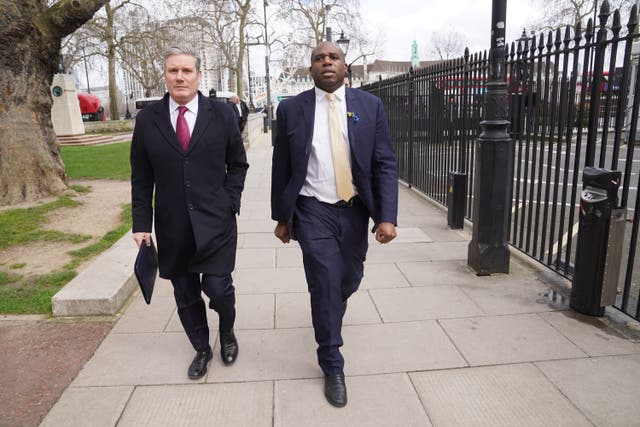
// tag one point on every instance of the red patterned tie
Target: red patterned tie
(182, 128)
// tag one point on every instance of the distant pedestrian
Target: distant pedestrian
(188, 167)
(241, 109)
(333, 168)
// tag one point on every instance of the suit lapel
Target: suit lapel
(162, 119)
(352, 106)
(309, 112)
(204, 118)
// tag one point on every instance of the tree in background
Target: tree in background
(306, 23)
(140, 50)
(104, 34)
(559, 13)
(223, 25)
(308, 19)
(31, 32)
(447, 44)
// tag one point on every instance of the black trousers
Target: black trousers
(187, 290)
(333, 239)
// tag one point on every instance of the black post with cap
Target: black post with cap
(488, 250)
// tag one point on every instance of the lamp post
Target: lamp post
(343, 43)
(327, 9)
(247, 44)
(127, 114)
(86, 69)
(266, 65)
(489, 249)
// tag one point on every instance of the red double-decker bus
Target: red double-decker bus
(90, 108)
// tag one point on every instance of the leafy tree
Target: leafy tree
(31, 32)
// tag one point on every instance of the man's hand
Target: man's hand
(142, 237)
(282, 231)
(385, 232)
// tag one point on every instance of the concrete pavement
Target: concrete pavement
(426, 343)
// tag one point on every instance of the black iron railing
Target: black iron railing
(572, 104)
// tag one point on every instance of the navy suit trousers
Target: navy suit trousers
(334, 244)
(187, 290)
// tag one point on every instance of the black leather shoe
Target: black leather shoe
(335, 390)
(228, 347)
(198, 367)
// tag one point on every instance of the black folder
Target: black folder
(146, 269)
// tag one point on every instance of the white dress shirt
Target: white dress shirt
(321, 181)
(190, 115)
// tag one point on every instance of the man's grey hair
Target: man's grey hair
(180, 50)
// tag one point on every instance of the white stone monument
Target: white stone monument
(65, 112)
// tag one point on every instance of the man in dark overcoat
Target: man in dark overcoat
(188, 149)
(333, 169)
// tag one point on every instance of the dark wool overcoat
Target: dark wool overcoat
(197, 192)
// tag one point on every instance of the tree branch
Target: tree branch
(66, 16)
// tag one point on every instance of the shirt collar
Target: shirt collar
(322, 94)
(191, 105)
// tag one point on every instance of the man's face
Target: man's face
(327, 66)
(182, 78)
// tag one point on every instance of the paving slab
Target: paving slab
(398, 347)
(509, 395)
(141, 317)
(604, 388)
(382, 276)
(401, 252)
(289, 256)
(293, 310)
(99, 406)
(506, 297)
(405, 235)
(591, 334)
(429, 273)
(259, 225)
(138, 359)
(241, 404)
(438, 251)
(265, 240)
(261, 280)
(495, 340)
(377, 400)
(253, 311)
(423, 303)
(269, 355)
(255, 258)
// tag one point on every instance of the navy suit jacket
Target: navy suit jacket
(197, 192)
(373, 161)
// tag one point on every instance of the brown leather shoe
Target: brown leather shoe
(198, 367)
(228, 347)
(335, 390)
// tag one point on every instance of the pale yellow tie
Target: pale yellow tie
(339, 153)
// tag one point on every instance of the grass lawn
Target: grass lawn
(20, 295)
(98, 162)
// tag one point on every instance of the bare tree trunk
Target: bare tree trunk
(114, 114)
(30, 163)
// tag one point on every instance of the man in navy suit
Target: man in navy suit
(309, 203)
(188, 149)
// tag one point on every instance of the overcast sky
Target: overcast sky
(406, 20)
(402, 21)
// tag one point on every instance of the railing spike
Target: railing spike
(616, 26)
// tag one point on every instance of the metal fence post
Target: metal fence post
(488, 250)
